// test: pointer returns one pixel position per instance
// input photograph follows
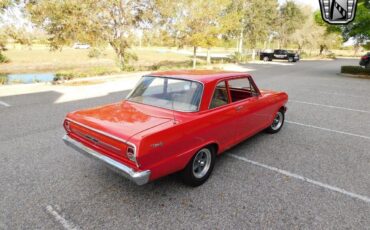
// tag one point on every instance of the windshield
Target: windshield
(168, 93)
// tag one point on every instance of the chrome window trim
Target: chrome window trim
(248, 98)
(214, 90)
(227, 79)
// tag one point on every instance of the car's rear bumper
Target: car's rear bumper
(140, 177)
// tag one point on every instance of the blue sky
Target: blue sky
(313, 3)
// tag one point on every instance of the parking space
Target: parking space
(313, 174)
(3, 103)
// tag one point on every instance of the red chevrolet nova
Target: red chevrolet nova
(175, 121)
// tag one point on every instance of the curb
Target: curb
(354, 75)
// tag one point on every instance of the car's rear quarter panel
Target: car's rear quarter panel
(168, 149)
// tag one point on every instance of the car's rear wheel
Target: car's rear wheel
(277, 123)
(290, 59)
(266, 59)
(200, 167)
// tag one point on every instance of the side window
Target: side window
(220, 96)
(241, 89)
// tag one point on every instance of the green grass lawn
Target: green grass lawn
(39, 58)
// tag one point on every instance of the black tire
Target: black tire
(277, 123)
(266, 59)
(290, 59)
(189, 174)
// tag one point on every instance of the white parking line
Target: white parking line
(302, 178)
(60, 219)
(342, 94)
(4, 104)
(330, 106)
(329, 130)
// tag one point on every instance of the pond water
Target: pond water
(27, 78)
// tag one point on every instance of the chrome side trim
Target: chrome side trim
(97, 141)
(101, 132)
(140, 178)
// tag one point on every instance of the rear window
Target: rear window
(168, 93)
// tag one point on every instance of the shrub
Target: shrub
(128, 68)
(3, 79)
(357, 70)
(94, 53)
(96, 71)
(331, 55)
(3, 58)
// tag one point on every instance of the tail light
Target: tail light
(66, 126)
(131, 153)
(365, 57)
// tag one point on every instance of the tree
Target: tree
(19, 35)
(259, 20)
(251, 21)
(197, 23)
(314, 35)
(95, 22)
(359, 29)
(301, 37)
(4, 5)
(290, 19)
(3, 40)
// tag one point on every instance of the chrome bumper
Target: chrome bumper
(139, 178)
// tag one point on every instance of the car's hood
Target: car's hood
(123, 119)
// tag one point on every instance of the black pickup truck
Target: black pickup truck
(279, 54)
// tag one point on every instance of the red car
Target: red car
(176, 121)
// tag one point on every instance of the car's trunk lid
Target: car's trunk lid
(109, 128)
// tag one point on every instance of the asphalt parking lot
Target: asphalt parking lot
(314, 174)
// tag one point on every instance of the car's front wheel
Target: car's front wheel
(266, 59)
(200, 167)
(290, 59)
(277, 123)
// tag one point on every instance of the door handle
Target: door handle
(238, 108)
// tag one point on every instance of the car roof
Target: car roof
(203, 76)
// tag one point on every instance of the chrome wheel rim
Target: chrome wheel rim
(202, 163)
(278, 121)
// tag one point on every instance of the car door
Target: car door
(284, 54)
(277, 54)
(221, 117)
(245, 101)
